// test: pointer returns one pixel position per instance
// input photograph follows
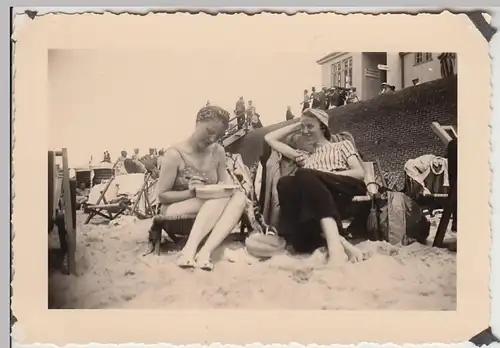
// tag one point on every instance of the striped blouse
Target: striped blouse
(331, 157)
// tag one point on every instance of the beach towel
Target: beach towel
(428, 167)
(244, 177)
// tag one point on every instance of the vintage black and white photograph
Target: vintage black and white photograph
(252, 178)
(233, 178)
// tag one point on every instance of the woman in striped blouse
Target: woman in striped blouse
(311, 201)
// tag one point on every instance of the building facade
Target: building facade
(368, 70)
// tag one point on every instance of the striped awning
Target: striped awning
(447, 61)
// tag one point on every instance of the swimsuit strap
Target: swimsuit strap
(188, 162)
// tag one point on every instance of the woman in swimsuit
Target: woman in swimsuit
(311, 201)
(199, 160)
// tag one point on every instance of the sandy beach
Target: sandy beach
(113, 273)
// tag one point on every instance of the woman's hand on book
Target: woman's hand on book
(195, 182)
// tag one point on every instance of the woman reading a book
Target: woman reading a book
(199, 160)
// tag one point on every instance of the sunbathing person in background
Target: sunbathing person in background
(82, 195)
(199, 160)
(312, 199)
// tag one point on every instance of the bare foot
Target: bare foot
(355, 255)
(337, 257)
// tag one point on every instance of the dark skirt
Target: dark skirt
(309, 196)
(306, 106)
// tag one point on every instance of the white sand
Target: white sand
(112, 273)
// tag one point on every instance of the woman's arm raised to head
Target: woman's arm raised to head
(168, 173)
(274, 139)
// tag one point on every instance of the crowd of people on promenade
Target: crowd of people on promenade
(246, 115)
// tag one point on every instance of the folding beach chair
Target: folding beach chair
(145, 204)
(104, 206)
(111, 205)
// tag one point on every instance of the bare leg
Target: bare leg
(229, 218)
(339, 249)
(210, 212)
(336, 253)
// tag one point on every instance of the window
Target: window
(342, 73)
(422, 57)
(347, 73)
(336, 74)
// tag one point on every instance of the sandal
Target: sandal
(185, 262)
(271, 231)
(205, 265)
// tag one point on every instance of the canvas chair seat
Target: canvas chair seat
(121, 194)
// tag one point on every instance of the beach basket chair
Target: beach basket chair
(102, 173)
(62, 205)
(83, 175)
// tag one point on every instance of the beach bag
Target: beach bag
(402, 221)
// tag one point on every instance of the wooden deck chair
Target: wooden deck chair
(62, 206)
(434, 183)
(433, 199)
(372, 182)
(370, 223)
(121, 204)
(142, 206)
(446, 134)
(103, 207)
